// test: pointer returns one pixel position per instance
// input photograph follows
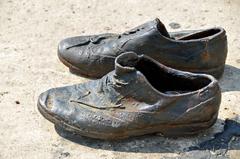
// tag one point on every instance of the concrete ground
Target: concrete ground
(29, 34)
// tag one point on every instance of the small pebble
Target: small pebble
(238, 60)
(65, 154)
(107, 28)
(174, 25)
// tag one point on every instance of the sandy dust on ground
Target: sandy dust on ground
(29, 34)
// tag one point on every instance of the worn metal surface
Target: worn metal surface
(202, 51)
(141, 96)
(30, 32)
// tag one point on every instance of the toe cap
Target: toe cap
(69, 48)
(45, 103)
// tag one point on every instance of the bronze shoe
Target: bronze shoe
(202, 51)
(140, 96)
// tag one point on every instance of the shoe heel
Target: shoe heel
(216, 72)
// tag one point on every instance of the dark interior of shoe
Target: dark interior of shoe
(162, 29)
(201, 35)
(169, 83)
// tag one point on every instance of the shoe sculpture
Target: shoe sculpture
(140, 96)
(202, 51)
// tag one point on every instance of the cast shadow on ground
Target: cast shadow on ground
(230, 79)
(211, 139)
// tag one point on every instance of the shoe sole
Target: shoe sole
(216, 72)
(167, 130)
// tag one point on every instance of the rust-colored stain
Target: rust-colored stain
(205, 56)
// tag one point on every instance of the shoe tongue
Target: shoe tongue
(161, 28)
(125, 63)
(157, 24)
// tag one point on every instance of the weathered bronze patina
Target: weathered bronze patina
(202, 51)
(140, 96)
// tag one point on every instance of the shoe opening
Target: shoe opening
(200, 35)
(161, 28)
(168, 82)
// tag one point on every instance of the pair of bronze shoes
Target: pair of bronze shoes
(143, 87)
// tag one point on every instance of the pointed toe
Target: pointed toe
(45, 104)
(66, 50)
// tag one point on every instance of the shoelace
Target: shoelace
(133, 31)
(105, 83)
